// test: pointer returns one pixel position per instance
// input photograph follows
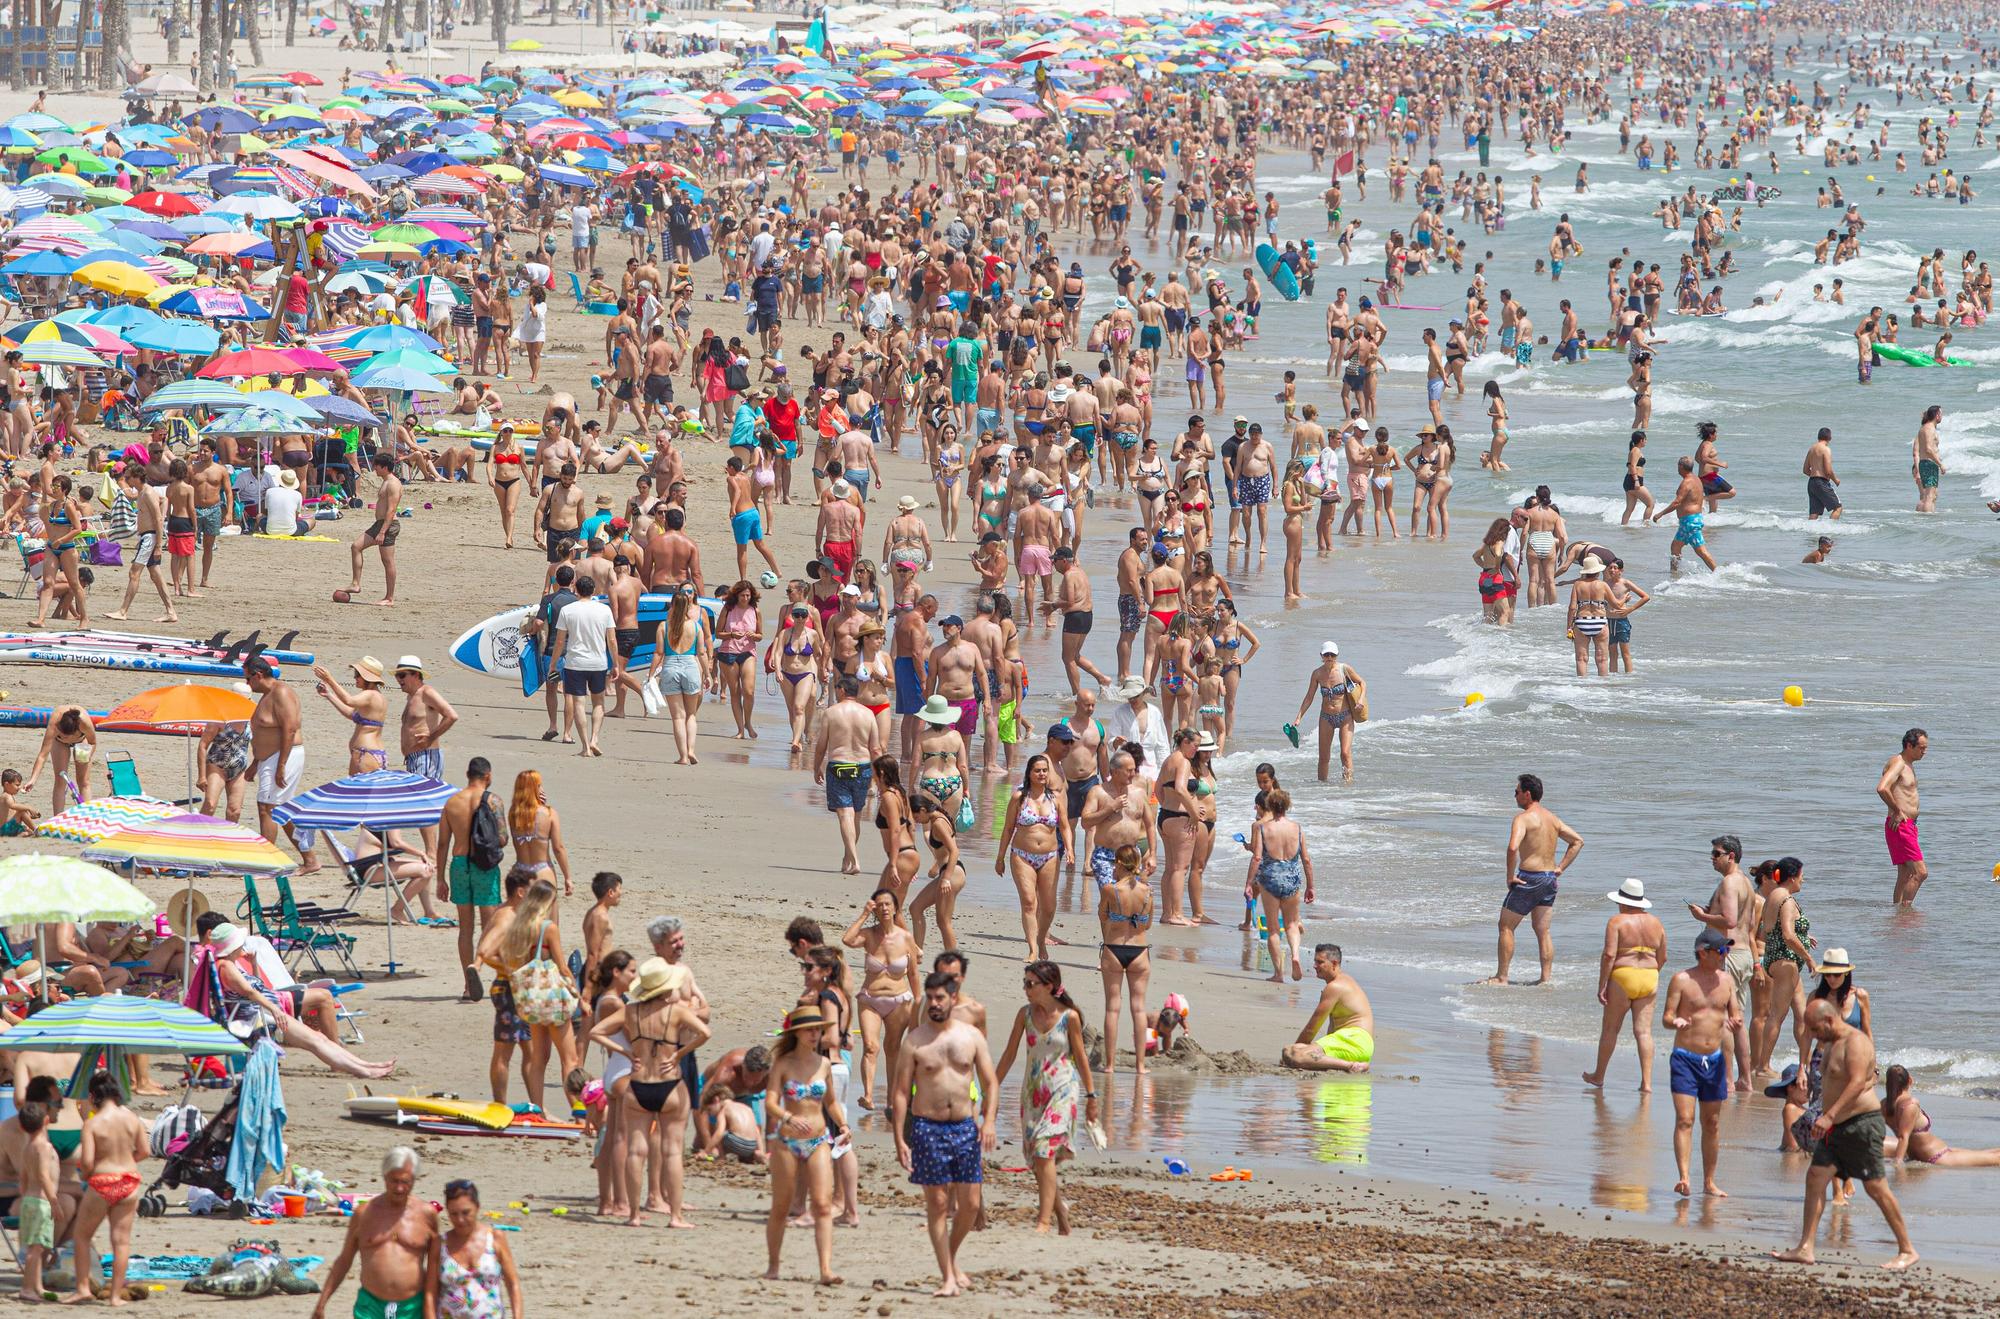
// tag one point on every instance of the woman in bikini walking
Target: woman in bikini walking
(893, 970)
(537, 830)
(1030, 848)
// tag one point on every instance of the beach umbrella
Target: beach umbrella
(182, 338)
(100, 817)
(40, 890)
(194, 843)
(385, 338)
(223, 118)
(166, 84)
(345, 411)
(249, 362)
(216, 304)
(44, 263)
(524, 43)
(409, 359)
(193, 394)
(401, 379)
(96, 338)
(57, 353)
(256, 421)
(234, 246)
(387, 799)
(185, 708)
(117, 278)
(359, 281)
(121, 1024)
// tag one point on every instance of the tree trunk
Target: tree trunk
(225, 37)
(204, 77)
(500, 8)
(425, 20)
(382, 28)
(117, 46)
(250, 17)
(176, 20)
(291, 22)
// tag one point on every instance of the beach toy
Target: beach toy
(1292, 734)
(560, 1211)
(343, 596)
(295, 1206)
(1179, 1168)
(1474, 698)
(1226, 1175)
(1996, 872)
(1795, 696)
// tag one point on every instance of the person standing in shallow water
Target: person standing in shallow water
(1898, 790)
(1702, 1012)
(1532, 876)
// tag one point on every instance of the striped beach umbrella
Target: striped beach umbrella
(386, 799)
(100, 817)
(37, 889)
(114, 1022)
(195, 843)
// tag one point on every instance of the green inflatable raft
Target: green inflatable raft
(1896, 352)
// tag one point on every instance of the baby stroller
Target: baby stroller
(203, 1161)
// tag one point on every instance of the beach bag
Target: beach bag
(486, 845)
(966, 817)
(697, 244)
(177, 1122)
(1357, 706)
(106, 553)
(543, 995)
(107, 489)
(737, 377)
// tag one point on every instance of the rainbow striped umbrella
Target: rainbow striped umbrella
(116, 1023)
(195, 843)
(97, 819)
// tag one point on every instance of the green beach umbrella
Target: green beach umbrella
(37, 890)
(128, 1025)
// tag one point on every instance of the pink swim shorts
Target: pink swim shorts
(1902, 839)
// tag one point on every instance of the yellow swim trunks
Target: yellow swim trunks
(1007, 723)
(1349, 1044)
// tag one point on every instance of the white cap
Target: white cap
(850, 589)
(1329, 648)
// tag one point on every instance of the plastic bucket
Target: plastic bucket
(295, 1206)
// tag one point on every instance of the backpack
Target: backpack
(486, 844)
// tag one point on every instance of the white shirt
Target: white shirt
(538, 274)
(588, 623)
(281, 510)
(1122, 724)
(760, 249)
(579, 225)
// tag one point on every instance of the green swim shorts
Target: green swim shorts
(472, 886)
(38, 1222)
(1349, 1044)
(367, 1305)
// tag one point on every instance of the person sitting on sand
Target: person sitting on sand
(1349, 1044)
(1910, 1136)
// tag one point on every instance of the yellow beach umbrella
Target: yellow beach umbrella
(117, 278)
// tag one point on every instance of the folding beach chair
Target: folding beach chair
(123, 776)
(583, 303)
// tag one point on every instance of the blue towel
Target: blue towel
(260, 1122)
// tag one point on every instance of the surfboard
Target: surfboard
(120, 661)
(1280, 274)
(492, 1116)
(184, 647)
(373, 1106)
(495, 647)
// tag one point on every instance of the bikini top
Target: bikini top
(360, 722)
(1033, 815)
(812, 1090)
(804, 652)
(877, 967)
(1137, 920)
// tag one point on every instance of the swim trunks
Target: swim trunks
(474, 886)
(1928, 473)
(944, 1153)
(38, 1224)
(1130, 617)
(847, 785)
(428, 762)
(1689, 532)
(1006, 722)
(1349, 1044)
(968, 716)
(1902, 839)
(1536, 889)
(1253, 490)
(1699, 1074)
(367, 1305)
(1854, 1148)
(747, 526)
(909, 686)
(1820, 497)
(1742, 966)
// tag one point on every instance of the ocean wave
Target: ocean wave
(1728, 579)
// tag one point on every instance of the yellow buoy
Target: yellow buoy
(1871, 178)
(1474, 698)
(1996, 872)
(1795, 696)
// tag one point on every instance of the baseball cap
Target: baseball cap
(1329, 648)
(1712, 940)
(951, 620)
(1062, 733)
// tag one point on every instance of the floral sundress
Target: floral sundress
(1050, 1092)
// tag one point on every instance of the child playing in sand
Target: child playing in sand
(725, 1125)
(38, 1168)
(16, 817)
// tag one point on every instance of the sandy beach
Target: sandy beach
(1465, 1175)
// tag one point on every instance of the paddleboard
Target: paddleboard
(495, 646)
(1405, 306)
(436, 1128)
(121, 661)
(1278, 272)
(216, 647)
(495, 1117)
(533, 673)
(267, 535)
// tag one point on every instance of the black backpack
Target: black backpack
(486, 844)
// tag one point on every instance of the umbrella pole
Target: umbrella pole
(388, 896)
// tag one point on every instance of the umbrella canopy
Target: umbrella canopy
(37, 889)
(216, 304)
(113, 1021)
(193, 394)
(185, 708)
(262, 362)
(386, 799)
(194, 843)
(100, 817)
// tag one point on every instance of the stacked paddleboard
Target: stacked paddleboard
(497, 649)
(138, 652)
(443, 1116)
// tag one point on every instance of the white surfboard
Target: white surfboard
(375, 1106)
(494, 647)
